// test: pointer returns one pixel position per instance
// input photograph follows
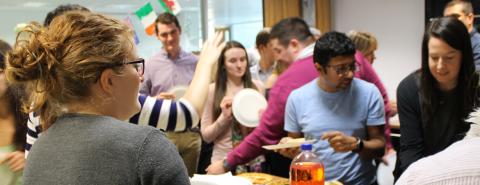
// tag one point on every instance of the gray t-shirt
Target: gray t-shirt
(89, 149)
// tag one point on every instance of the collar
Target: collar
(270, 69)
(473, 32)
(165, 53)
(306, 52)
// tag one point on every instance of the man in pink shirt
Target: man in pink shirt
(292, 44)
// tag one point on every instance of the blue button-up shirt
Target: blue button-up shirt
(475, 38)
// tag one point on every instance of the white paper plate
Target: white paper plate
(385, 172)
(245, 107)
(219, 180)
(290, 144)
(178, 91)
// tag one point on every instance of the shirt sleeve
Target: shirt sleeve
(411, 141)
(476, 53)
(160, 163)
(210, 127)
(376, 111)
(269, 131)
(370, 75)
(291, 121)
(167, 115)
(33, 131)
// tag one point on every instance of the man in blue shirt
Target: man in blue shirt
(463, 10)
(344, 115)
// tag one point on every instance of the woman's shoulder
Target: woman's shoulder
(258, 84)
(105, 124)
(410, 82)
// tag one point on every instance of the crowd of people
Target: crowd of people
(79, 106)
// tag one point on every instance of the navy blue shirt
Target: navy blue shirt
(475, 39)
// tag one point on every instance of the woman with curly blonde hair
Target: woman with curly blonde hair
(83, 75)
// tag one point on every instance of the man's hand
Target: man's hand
(216, 168)
(339, 141)
(15, 160)
(288, 152)
(388, 152)
(166, 96)
(393, 108)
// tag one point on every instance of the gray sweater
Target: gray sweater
(88, 149)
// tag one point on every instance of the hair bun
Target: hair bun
(33, 57)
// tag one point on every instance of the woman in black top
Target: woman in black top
(434, 101)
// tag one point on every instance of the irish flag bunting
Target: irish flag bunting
(147, 16)
(170, 6)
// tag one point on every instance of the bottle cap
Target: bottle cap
(306, 146)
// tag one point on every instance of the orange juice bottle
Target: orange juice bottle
(306, 168)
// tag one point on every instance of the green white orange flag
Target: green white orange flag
(147, 16)
(170, 6)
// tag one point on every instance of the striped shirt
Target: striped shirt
(457, 164)
(166, 115)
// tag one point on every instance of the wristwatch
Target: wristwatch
(358, 145)
(226, 167)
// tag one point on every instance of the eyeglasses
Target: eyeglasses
(343, 69)
(139, 65)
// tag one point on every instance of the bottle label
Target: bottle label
(307, 173)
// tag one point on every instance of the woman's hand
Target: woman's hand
(15, 160)
(211, 49)
(166, 96)
(226, 106)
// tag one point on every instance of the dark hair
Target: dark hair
(291, 28)
(4, 48)
(221, 77)
(14, 94)
(467, 7)
(166, 18)
(262, 38)
(455, 34)
(332, 44)
(61, 10)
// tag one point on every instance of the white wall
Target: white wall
(398, 26)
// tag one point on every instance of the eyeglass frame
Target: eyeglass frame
(137, 61)
(344, 68)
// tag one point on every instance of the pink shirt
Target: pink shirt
(367, 73)
(218, 130)
(270, 129)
